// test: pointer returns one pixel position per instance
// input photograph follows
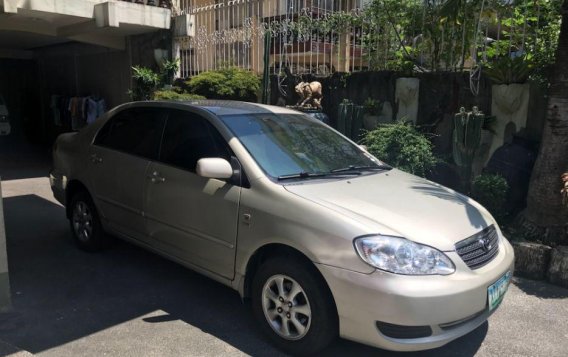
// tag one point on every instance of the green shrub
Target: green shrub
(174, 95)
(490, 190)
(229, 83)
(145, 83)
(402, 146)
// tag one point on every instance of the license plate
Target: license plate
(497, 290)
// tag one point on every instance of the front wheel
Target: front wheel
(85, 224)
(293, 306)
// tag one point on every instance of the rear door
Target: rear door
(191, 217)
(119, 160)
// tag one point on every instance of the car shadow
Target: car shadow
(435, 190)
(540, 289)
(62, 294)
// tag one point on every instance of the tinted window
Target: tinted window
(136, 131)
(188, 138)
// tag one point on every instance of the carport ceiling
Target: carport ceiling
(19, 40)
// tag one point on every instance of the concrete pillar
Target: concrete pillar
(344, 52)
(4, 281)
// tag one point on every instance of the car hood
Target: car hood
(400, 204)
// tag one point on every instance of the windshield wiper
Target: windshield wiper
(365, 167)
(305, 175)
(302, 174)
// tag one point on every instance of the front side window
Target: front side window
(189, 137)
(135, 131)
(286, 144)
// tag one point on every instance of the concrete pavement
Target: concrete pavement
(129, 302)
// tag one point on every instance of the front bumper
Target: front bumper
(451, 305)
(58, 183)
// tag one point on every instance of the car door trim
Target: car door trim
(117, 204)
(193, 232)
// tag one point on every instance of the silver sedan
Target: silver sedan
(323, 238)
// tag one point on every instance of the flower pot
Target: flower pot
(508, 97)
(370, 121)
(509, 105)
(406, 94)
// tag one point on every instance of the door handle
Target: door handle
(156, 178)
(96, 159)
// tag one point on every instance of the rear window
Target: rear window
(135, 131)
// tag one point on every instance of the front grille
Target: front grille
(398, 331)
(479, 249)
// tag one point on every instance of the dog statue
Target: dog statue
(310, 94)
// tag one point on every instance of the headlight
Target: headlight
(401, 256)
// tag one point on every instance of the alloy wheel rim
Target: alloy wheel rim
(82, 221)
(286, 307)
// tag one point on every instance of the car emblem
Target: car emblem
(485, 244)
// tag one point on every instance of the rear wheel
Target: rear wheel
(293, 306)
(85, 224)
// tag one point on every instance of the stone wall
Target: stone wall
(440, 97)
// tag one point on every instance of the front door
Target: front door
(191, 217)
(119, 160)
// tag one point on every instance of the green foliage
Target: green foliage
(168, 72)
(508, 70)
(372, 106)
(528, 27)
(401, 145)
(408, 35)
(490, 190)
(145, 83)
(175, 95)
(228, 83)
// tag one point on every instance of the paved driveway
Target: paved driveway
(128, 302)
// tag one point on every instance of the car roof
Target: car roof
(230, 107)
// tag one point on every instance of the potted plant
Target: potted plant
(145, 83)
(169, 70)
(509, 76)
(373, 110)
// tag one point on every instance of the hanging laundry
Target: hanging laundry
(74, 113)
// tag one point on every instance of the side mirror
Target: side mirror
(214, 167)
(363, 147)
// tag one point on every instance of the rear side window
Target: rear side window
(189, 137)
(135, 131)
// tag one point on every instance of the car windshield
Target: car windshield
(293, 144)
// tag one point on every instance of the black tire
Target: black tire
(97, 239)
(323, 327)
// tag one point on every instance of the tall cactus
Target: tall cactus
(350, 119)
(466, 141)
